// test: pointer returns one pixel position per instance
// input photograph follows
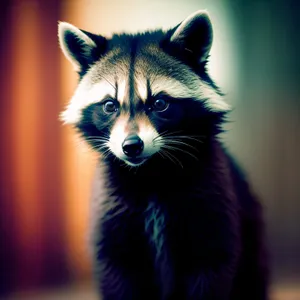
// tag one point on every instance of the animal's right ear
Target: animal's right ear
(80, 47)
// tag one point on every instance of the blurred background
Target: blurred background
(46, 172)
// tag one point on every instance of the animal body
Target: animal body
(173, 215)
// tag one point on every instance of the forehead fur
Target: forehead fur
(133, 66)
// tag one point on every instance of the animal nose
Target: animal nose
(133, 146)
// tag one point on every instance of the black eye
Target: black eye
(160, 105)
(110, 107)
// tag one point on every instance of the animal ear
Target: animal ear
(194, 36)
(80, 47)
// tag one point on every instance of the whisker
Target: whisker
(168, 157)
(174, 157)
(180, 143)
(171, 142)
(106, 153)
(179, 149)
(167, 133)
(184, 137)
(171, 157)
(103, 135)
(161, 154)
(97, 139)
(103, 147)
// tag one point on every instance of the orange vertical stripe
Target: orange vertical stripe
(26, 131)
(78, 165)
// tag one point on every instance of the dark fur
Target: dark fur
(165, 232)
(209, 228)
(208, 224)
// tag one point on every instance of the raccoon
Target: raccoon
(173, 216)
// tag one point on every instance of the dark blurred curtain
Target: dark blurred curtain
(32, 239)
(267, 138)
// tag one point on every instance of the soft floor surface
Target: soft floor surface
(87, 293)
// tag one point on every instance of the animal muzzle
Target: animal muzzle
(133, 146)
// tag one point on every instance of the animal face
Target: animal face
(144, 94)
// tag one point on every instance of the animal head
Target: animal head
(143, 94)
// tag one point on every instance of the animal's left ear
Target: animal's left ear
(194, 35)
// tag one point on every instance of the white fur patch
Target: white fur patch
(117, 137)
(142, 89)
(147, 133)
(87, 43)
(176, 89)
(214, 102)
(85, 95)
(171, 86)
(122, 91)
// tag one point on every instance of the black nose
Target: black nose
(133, 146)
